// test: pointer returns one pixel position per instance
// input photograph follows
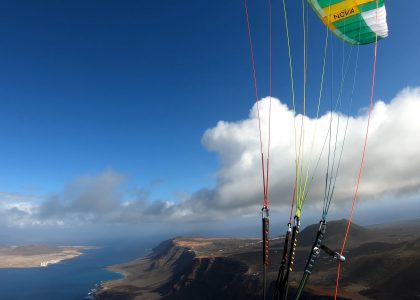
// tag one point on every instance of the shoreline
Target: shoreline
(23, 257)
(141, 265)
(123, 274)
(185, 268)
(172, 264)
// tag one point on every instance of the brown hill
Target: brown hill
(379, 265)
(185, 268)
(334, 234)
(29, 250)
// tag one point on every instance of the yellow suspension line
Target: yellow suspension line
(293, 89)
(321, 89)
(302, 136)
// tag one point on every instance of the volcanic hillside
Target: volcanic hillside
(382, 263)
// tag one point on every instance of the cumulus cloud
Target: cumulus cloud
(391, 170)
(17, 209)
(392, 160)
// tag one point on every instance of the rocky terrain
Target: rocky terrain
(382, 263)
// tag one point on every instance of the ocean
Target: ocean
(71, 279)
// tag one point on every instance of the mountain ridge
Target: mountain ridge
(211, 268)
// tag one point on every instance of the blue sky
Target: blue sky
(88, 86)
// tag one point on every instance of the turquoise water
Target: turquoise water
(72, 279)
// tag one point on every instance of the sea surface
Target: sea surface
(71, 279)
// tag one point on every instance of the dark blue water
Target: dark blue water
(72, 279)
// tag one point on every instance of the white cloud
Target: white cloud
(16, 197)
(17, 209)
(392, 161)
(391, 171)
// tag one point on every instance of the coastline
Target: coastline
(188, 268)
(174, 265)
(38, 256)
(121, 269)
(102, 285)
(116, 270)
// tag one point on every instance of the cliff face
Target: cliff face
(381, 264)
(213, 278)
(179, 269)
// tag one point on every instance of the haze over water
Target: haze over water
(72, 279)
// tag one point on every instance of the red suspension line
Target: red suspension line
(362, 163)
(264, 172)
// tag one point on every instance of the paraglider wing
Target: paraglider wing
(356, 22)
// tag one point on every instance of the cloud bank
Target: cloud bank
(392, 162)
(391, 170)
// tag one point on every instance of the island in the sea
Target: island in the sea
(32, 256)
(382, 263)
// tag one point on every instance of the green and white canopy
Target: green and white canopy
(354, 21)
